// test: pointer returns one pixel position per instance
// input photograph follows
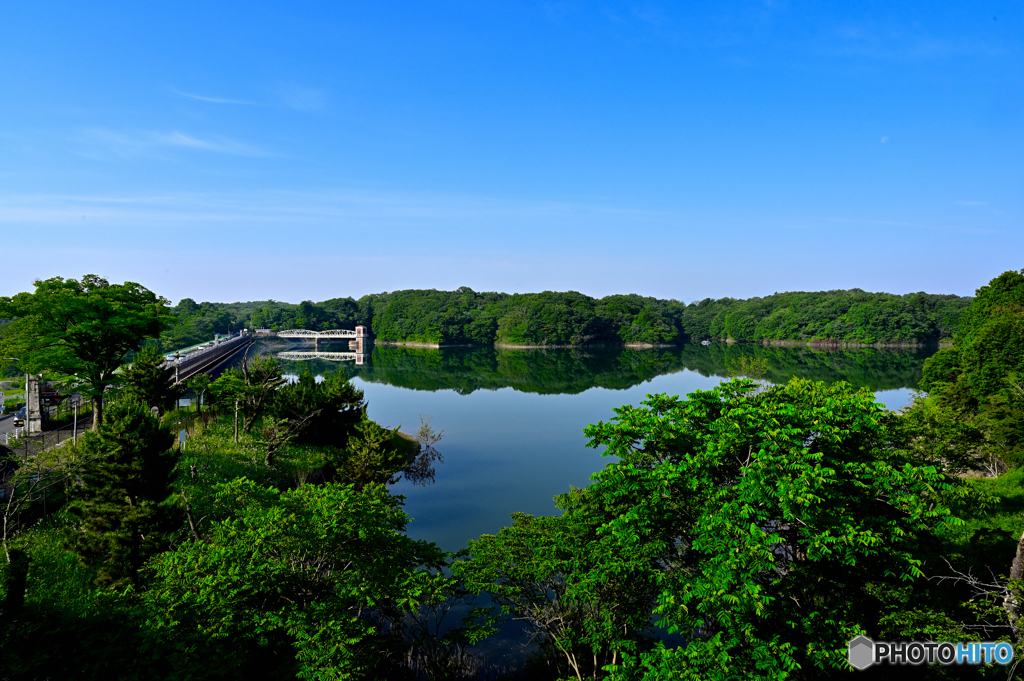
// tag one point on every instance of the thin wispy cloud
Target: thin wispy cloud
(899, 43)
(130, 144)
(302, 98)
(290, 95)
(214, 100)
(349, 208)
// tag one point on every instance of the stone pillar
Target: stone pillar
(33, 406)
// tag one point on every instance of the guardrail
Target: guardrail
(212, 346)
(201, 360)
(18, 438)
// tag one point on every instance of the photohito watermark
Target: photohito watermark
(864, 652)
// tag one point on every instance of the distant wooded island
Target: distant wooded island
(467, 317)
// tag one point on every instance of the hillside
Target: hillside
(553, 318)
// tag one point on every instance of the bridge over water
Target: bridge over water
(357, 339)
(359, 334)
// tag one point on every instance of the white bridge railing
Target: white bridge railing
(306, 333)
(332, 356)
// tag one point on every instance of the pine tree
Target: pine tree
(148, 381)
(118, 503)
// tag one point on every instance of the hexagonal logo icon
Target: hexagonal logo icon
(862, 652)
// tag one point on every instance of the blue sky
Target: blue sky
(240, 151)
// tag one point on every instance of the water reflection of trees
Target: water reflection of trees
(573, 370)
(874, 368)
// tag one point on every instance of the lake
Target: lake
(513, 419)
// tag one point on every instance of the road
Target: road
(7, 420)
(7, 423)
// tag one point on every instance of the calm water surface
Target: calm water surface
(513, 419)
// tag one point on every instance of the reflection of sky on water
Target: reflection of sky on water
(895, 400)
(292, 378)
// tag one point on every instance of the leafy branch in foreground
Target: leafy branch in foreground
(318, 569)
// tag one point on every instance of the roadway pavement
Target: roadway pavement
(7, 423)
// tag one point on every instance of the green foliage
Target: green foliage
(991, 342)
(253, 386)
(118, 501)
(750, 367)
(308, 412)
(147, 382)
(200, 385)
(329, 409)
(992, 524)
(554, 318)
(33, 478)
(853, 316)
(941, 368)
(980, 381)
(587, 601)
(373, 456)
(551, 318)
(775, 512)
(310, 575)
(198, 322)
(548, 318)
(82, 327)
(70, 628)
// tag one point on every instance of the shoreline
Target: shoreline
(813, 344)
(826, 344)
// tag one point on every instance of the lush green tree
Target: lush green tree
(119, 493)
(200, 385)
(251, 388)
(779, 515)
(852, 316)
(147, 381)
(980, 380)
(83, 327)
(301, 583)
(329, 409)
(373, 455)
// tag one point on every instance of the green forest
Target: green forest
(551, 318)
(747, 531)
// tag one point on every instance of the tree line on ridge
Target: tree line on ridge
(569, 318)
